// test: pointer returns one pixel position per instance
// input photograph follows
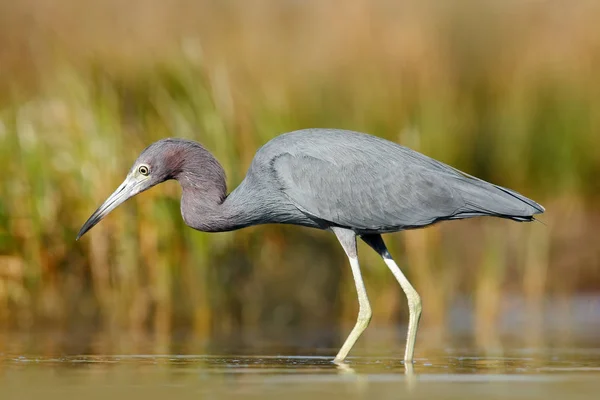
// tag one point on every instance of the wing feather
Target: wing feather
(367, 193)
(367, 183)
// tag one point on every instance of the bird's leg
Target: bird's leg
(348, 240)
(414, 300)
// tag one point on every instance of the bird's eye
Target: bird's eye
(144, 170)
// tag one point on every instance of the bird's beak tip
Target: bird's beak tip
(123, 192)
(80, 234)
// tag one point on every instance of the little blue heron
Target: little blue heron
(350, 183)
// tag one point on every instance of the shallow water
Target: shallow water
(521, 375)
(557, 359)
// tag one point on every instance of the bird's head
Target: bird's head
(159, 162)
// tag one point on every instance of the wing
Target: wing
(365, 191)
(370, 184)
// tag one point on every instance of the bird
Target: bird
(355, 185)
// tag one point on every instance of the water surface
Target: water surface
(522, 375)
(558, 359)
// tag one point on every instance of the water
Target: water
(449, 374)
(558, 358)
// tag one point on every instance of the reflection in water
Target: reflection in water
(152, 376)
(90, 364)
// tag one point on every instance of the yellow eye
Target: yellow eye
(144, 170)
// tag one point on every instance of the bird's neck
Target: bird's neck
(205, 205)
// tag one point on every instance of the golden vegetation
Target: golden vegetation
(508, 91)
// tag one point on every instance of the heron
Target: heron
(353, 184)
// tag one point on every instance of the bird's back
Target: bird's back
(369, 184)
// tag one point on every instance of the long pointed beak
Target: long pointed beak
(129, 188)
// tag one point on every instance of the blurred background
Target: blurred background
(507, 91)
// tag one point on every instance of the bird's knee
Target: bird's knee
(364, 316)
(414, 304)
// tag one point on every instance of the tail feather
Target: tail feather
(539, 209)
(483, 198)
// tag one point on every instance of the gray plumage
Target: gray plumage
(348, 182)
(372, 185)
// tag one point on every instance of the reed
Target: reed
(508, 92)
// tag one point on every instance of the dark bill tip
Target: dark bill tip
(123, 192)
(89, 224)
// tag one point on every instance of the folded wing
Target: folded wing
(388, 187)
